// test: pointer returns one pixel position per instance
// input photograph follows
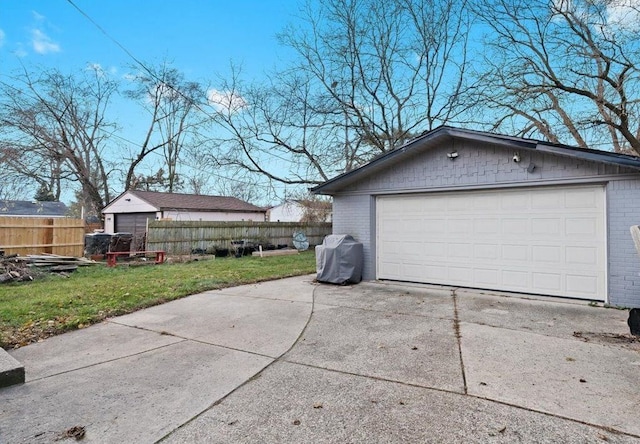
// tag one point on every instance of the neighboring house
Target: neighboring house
(26, 208)
(471, 209)
(130, 211)
(301, 210)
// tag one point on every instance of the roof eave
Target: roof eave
(334, 185)
(216, 210)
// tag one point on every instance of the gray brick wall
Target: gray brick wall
(623, 202)
(356, 219)
(478, 166)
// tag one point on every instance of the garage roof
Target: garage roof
(194, 202)
(440, 134)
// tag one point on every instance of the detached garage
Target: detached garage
(470, 209)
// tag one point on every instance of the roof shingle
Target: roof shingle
(179, 201)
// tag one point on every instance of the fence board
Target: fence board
(36, 235)
(181, 237)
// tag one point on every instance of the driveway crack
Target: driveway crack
(456, 330)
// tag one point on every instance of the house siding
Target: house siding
(213, 216)
(481, 166)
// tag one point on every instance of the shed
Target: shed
(130, 211)
(472, 209)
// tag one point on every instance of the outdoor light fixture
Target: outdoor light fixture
(452, 155)
(531, 167)
(516, 157)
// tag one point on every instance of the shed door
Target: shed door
(136, 224)
(545, 240)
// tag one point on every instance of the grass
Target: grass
(31, 311)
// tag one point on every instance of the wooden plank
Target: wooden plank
(274, 253)
(24, 235)
(180, 237)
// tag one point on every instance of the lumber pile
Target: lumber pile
(16, 268)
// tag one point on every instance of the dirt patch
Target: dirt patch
(624, 340)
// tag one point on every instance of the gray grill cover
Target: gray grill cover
(339, 260)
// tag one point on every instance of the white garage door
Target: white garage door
(545, 240)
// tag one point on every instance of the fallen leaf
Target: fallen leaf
(296, 422)
(414, 348)
(76, 432)
(583, 380)
(317, 405)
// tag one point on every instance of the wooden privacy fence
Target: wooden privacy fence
(37, 235)
(182, 237)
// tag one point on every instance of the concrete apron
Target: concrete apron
(376, 363)
(137, 377)
(395, 363)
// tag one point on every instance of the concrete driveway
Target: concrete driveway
(293, 361)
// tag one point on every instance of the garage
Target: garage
(544, 240)
(136, 224)
(473, 209)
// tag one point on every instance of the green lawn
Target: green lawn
(34, 310)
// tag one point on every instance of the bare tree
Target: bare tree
(54, 129)
(369, 75)
(564, 70)
(172, 104)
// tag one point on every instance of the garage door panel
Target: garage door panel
(516, 279)
(547, 282)
(515, 253)
(459, 251)
(488, 252)
(581, 255)
(460, 274)
(547, 200)
(581, 283)
(546, 227)
(584, 198)
(489, 227)
(581, 227)
(515, 226)
(514, 203)
(486, 277)
(547, 254)
(459, 227)
(549, 240)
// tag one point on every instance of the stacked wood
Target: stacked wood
(16, 268)
(12, 270)
(50, 260)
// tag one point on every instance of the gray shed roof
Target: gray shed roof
(443, 133)
(195, 202)
(32, 208)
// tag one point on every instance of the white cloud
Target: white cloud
(624, 14)
(225, 100)
(1, 37)
(37, 16)
(97, 68)
(42, 43)
(20, 51)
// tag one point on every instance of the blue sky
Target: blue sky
(201, 37)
